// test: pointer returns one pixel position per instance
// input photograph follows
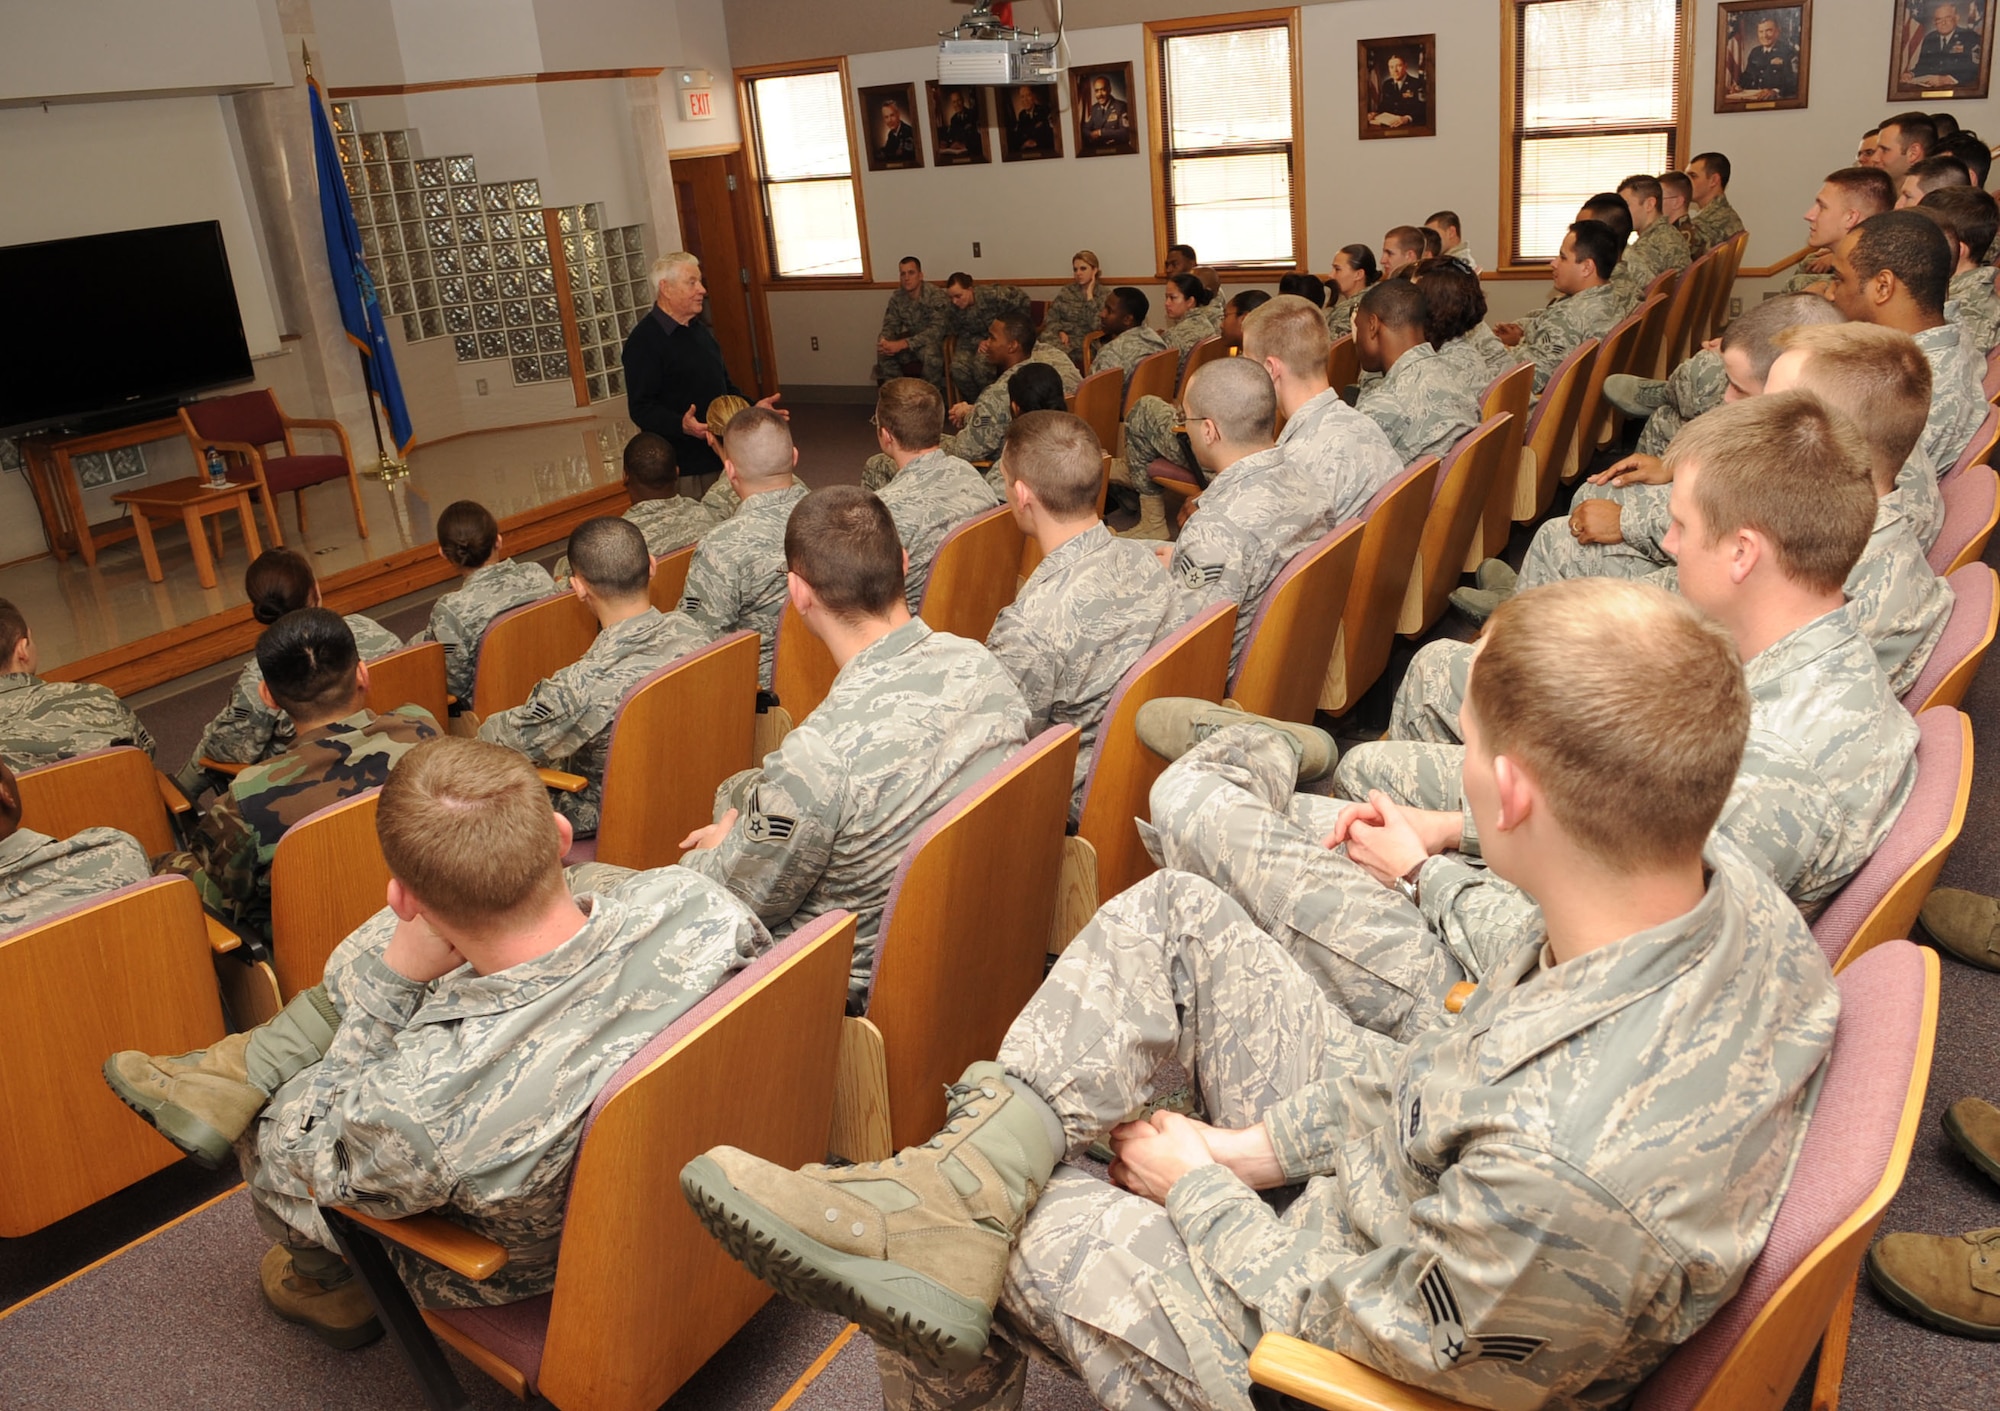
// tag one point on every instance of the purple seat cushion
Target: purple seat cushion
(1968, 503)
(1979, 441)
(1973, 586)
(1167, 470)
(516, 1332)
(251, 417)
(287, 473)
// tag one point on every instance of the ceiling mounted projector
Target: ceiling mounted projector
(986, 48)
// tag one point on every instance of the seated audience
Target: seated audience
(1192, 313)
(1455, 324)
(311, 669)
(1180, 259)
(1609, 208)
(1845, 199)
(448, 1060)
(1658, 249)
(1868, 152)
(1676, 192)
(669, 520)
(1011, 344)
(40, 875)
(1422, 402)
(1034, 387)
(1402, 247)
(1240, 307)
(1074, 314)
(1931, 174)
(1714, 217)
(1128, 339)
(1404, 1248)
(914, 717)
(1210, 277)
(565, 724)
(970, 321)
(737, 579)
(933, 492)
(1970, 149)
(1902, 142)
(44, 721)
(1433, 243)
(1585, 305)
(469, 540)
(1303, 286)
(1970, 301)
(1445, 223)
(247, 730)
(913, 326)
(1354, 270)
(1092, 607)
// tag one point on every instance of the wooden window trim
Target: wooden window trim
(754, 148)
(1156, 114)
(1505, 265)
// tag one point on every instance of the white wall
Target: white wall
(130, 46)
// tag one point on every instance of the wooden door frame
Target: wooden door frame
(749, 245)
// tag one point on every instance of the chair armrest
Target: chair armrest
(325, 424)
(223, 766)
(1326, 1379)
(170, 794)
(437, 1239)
(567, 783)
(221, 940)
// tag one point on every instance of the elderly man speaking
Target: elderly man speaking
(674, 367)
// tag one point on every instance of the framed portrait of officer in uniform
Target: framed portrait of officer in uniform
(1763, 55)
(1102, 102)
(958, 124)
(1940, 49)
(1030, 127)
(889, 127)
(1397, 81)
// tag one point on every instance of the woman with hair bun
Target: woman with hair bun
(1354, 269)
(1192, 313)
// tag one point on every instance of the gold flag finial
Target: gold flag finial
(307, 57)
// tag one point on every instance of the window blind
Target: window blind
(806, 174)
(1230, 154)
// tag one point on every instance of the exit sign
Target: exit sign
(697, 104)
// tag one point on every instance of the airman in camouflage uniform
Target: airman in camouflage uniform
(971, 373)
(467, 1096)
(1201, 321)
(1340, 314)
(40, 875)
(1423, 404)
(1088, 612)
(916, 717)
(920, 317)
(1958, 406)
(1690, 390)
(566, 721)
(1128, 350)
(1077, 314)
(931, 496)
(229, 857)
(1149, 437)
(737, 579)
(1346, 452)
(1499, 358)
(1658, 249)
(1716, 222)
(986, 428)
(672, 522)
(246, 731)
(1978, 309)
(1899, 605)
(1551, 333)
(1463, 359)
(45, 721)
(459, 619)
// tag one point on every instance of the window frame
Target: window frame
(753, 145)
(1156, 35)
(1508, 263)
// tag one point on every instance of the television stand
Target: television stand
(59, 495)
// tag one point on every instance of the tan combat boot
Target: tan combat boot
(1152, 520)
(315, 1289)
(1973, 1124)
(1173, 725)
(200, 1101)
(1949, 1281)
(1966, 924)
(912, 1248)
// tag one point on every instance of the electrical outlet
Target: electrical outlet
(815, 344)
(1735, 307)
(481, 385)
(975, 249)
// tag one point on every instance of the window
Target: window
(1600, 93)
(805, 173)
(1227, 158)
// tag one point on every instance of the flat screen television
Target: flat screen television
(102, 330)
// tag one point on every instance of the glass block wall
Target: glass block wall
(486, 265)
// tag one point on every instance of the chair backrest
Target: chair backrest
(1343, 363)
(1512, 391)
(1880, 902)
(129, 970)
(251, 417)
(1990, 384)
(1193, 660)
(1962, 646)
(680, 732)
(1647, 355)
(108, 788)
(1971, 510)
(670, 576)
(1749, 1355)
(1393, 527)
(411, 676)
(1038, 310)
(525, 646)
(1690, 298)
(974, 574)
(643, 1295)
(965, 931)
(1293, 634)
(1615, 353)
(1155, 376)
(1552, 426)
(1099, 399)
(327, 877)
(1092, 341)
(1978, 450)
(802, 669)
(1203, 353)
(1725, 282)
(1464, 489)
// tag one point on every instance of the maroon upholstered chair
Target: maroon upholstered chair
(1990, 385)
(1971, 509)
(244, 424)
(1955, 660)
(1978, 450)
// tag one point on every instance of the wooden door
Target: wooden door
(709, 194)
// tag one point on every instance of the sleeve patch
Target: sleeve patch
(1451, 1345)
(1196, 575)
(763, 827)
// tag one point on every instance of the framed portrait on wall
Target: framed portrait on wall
(1397, 79)
(1940, 49)
(1030, 127)
(1763, 55)
(958, 124)
(889, 127)
(1102, 102)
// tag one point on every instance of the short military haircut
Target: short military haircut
(466, 826)
(1433, 242)
(1714, 164)
(278, 581)
(1559, 660)
(1020, 330)
(1598, 243)
(1945, 123)
(13, 631)
(1675, 183)
(1646, 188)
(1238, 396)
(1968, 149)
(1304, 286)
(1248, 302)
(1936, 173)
(1184, 251)
(1057, 456)
(1610, 208)
(309, 661)
(958, 279)
(467, 533)
(1879, 376)
(1036, 387)
(1407, 238)
(1290, 330)
(1791, 468)
(1398, 303)
(912, 411)
(1973, 214)
(1448, 219)
(842, 542)
(759, 444)
(1865, 189)
(650, 460)
(1913, 130)
(609, 553)
(1454, 302)
(910, 260)
(1943, 221)
(722, 411)
(1133, 301)
(1911, 247)
(1758, 331)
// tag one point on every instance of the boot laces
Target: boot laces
(958, 1100)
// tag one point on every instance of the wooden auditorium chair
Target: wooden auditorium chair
(116, 787)
(1690, 296)
(1203, 353)
(327, 877)
(974, 575)
(643, 1295)
(1615, 353)
(1971, 510)
(412, 676)
(670, 576)
(1551, 431)
(1799, 1293)
(1155, 375)
(1724, 286)
(128, 970)
(1099, 400)
(526, 645)
(962, 945)
(1968, 632)
(1392, 528)
(243, 425)
(1293, 634)
(802, 672)
(1452, 527)
(1343, 363)
(1880, 902)
(1664, 286)
(1513, 391)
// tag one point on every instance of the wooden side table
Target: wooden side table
(191, 500)
(58, 495)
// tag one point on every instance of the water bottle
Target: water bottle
(218, 472)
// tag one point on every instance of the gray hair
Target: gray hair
(664, 267)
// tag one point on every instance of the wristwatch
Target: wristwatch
(1407, 883)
